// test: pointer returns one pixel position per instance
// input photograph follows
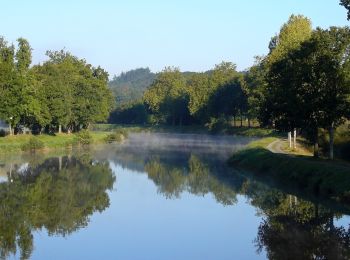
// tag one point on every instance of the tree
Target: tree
(75, 93)
(255, 80)
(203, 90)
(130, 86)
(229, 99)
(274, 111)
(309, 88)
(200, 90)
(167, 98)
(328, 63)
(11, 108)
(346, 4)
(23, 55)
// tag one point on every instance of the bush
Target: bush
(33, 144)
(217, 125)
(118, 135)
(83, 137)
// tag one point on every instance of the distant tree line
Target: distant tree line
(64, 93)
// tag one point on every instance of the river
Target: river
(158, 196)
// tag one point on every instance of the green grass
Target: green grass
(15, 143)
(330, 179)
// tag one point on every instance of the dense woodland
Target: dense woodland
(64, 93)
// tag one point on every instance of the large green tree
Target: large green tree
(325, 74)
(167, 98)
(279, 76)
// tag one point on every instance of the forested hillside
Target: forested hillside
(130, 86)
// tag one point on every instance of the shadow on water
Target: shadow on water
(60, 193)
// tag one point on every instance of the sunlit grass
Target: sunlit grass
(15, 143)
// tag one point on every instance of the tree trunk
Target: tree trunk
(241, 120)
(290, 139)
(59, 129)
(316, 148)
(60, 163)
(331, 142)
(234, 121)
(10, 129)
(295, 138)
(249, 126)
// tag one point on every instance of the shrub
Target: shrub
(217, 125)
(118, 135)
(33, 144)
(83, 137)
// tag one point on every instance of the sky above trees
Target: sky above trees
(193, 35)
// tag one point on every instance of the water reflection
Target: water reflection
(291, 227)
(58, 194)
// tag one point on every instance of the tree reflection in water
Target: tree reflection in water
(291, 228)
(59, 195)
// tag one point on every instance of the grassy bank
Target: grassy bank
(330, 179)
(15, 143)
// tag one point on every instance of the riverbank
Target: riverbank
(196, 129)
(12, 144)
(100, 133)
(320, 177)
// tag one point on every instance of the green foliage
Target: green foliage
(130, 113)
(33, 144)
(130, 86)
(63, 92)
(218, 93)
(216, 125)
(83, 137)
(346, 4)
(291, 35)
(167, 97)
(309, 87)
(117, 135)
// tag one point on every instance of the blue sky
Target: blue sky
(193, 35)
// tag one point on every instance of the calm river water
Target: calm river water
(158, 196)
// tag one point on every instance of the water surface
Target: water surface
(158, 196)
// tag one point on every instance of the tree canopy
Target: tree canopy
(63, 92)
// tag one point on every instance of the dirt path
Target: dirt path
(276, 147)
(279, 146)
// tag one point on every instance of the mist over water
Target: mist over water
(217, 145)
